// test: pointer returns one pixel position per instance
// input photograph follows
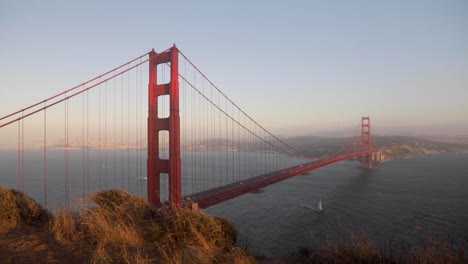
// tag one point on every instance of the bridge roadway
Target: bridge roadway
(230, 191)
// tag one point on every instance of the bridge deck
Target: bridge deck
(223, 193)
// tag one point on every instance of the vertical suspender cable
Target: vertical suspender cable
(137, 174)
(192, 142)
(233, 146)
(220, 142)
(207, 138)
(184, 113)
(68, 157)
(22, 154)
(114, 89)
(199, 136)
(121, 132)
(195, 123)
(265, 153)
(87, 145)
(99, 136)
(105, 135)
(141, 130)
(45, 156)
(83, 145)
(128, 133)
(18, 177)
(66, 153)
(239, 147)
(249, 148)
(203, 135)
(245, 148)
(258, 150)
(226, 146)
(270, 156)
(213, 136)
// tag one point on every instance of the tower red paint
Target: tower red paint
(366, 142)
(155, 165)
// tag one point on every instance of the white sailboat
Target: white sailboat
(319, 206)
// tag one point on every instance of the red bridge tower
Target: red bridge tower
(156, 166)
(366, 142)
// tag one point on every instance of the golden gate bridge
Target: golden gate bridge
(201, 148)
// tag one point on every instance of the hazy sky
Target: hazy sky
(296, 66)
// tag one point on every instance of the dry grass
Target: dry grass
(17, 209)
(362, 250)
(119, 228)
(436, 252)
(66, 225)
(192, 237)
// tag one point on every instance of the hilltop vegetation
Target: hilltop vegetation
(364, 250)
(119, 228)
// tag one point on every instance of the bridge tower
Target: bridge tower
(155, 165)
(366, 142)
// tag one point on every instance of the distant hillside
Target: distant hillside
(314, 146)
(393, 146)
(401, 146)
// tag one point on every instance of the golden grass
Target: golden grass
(123, 228)
(67, 225)
(18, 209)
(192, 237)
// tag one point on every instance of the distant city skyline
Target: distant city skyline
(298, 68)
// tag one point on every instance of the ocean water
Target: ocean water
(399, 202)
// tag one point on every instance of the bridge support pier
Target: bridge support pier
(155, 165)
